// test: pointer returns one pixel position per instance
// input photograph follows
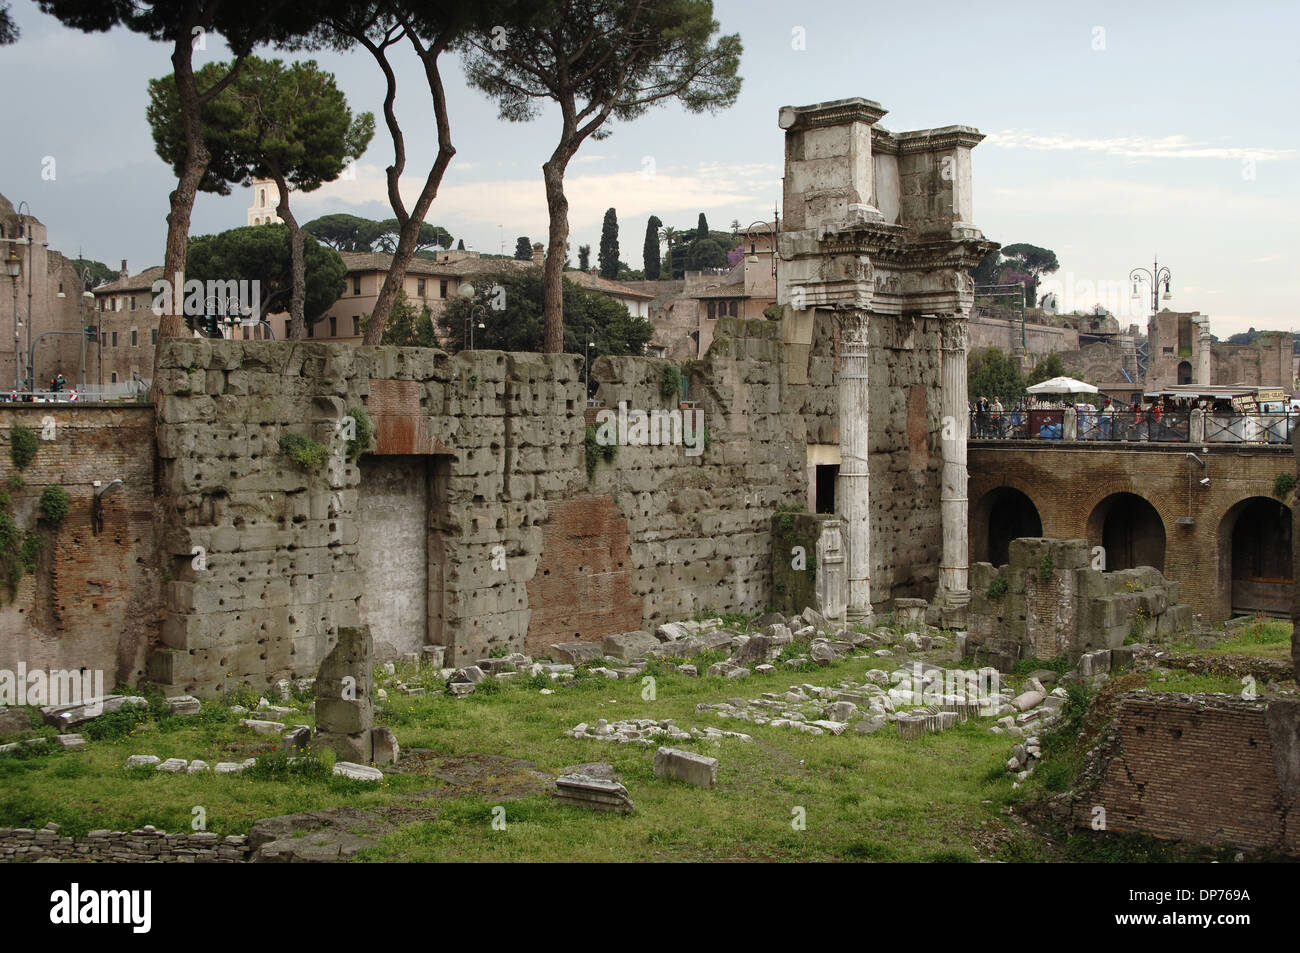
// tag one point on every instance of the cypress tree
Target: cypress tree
(523, 248)
(702, 231)
(651, 251)
(608, 255)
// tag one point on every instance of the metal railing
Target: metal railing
(1130, 426)
(122, 390)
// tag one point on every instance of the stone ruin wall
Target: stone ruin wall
(1217, 769)
(493, 444)
(93, 601)
(1070, 611)
(905, 460)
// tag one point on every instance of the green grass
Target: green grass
(872, 797)
(1263, 638)
(1181, 680)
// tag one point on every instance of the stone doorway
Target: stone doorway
(1255, 557)
(393, 552)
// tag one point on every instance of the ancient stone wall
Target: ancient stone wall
(1048, 601)
(93, 601)
(1216, 769)
(268, 558)
(146, 845)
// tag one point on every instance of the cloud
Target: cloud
(521, 202)
(1135, 147)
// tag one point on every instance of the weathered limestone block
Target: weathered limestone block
(628, 645)
(686, 766)
(345, 696)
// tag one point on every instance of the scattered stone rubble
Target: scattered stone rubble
(646, 731)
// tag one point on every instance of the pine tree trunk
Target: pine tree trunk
(553, 273)
(172, 324)
(297, 264)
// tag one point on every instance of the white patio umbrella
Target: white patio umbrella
(1061, 385)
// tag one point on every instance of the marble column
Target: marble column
(954, 569)
(851, 489)
(1203, 357)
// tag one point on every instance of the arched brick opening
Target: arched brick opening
(1130, 531)
(1185, 372)
(1003, 514)
(1254, 548)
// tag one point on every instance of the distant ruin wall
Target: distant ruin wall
(93, 601)
(1216, 769)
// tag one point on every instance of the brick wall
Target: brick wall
(1215, 769)
(93, 602)
(1068, 482)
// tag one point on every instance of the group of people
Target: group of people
(991, 419)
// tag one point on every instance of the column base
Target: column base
(949, 609)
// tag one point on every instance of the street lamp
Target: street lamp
(1152, 277)
(772, 228)
(14, 268)
(466, 291)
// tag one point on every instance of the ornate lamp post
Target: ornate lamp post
(772, 228)
(1153, 277)
(13, 267)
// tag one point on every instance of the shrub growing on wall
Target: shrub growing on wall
(22, 445)
(54, 505)
(304, 451)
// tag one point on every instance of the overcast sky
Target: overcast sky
(1115, 131)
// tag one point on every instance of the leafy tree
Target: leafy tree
(430, 29)
(344, 232)
(1049, 367)
(99, 272)
(608, 254)
(702, 229)
(1242, 337)
(650, 251)
(991, 372)
(600, 60)
(1028, 263)
(388, 233)
(408, 326)
(178, 23)
(989, 270)
(523, 249)
(705, 253)
(8, 29)
(290, 123)
(262, 253)
(584, 257)
(520, 326)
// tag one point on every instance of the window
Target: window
(113, 378)
(442, 288)
(132, 302)
(356, 284)
(114, 339)
(419, 287)
(734, 308)
(334, 326)
(713, 309)
(356, 325)
(153, 337)
(103, 338)
(135, 342)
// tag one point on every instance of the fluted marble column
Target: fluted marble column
(852, 490)
(954, 569)
(1204, 355)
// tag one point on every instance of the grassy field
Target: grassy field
(472, 788)
(859, 797)
(1266, 638)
